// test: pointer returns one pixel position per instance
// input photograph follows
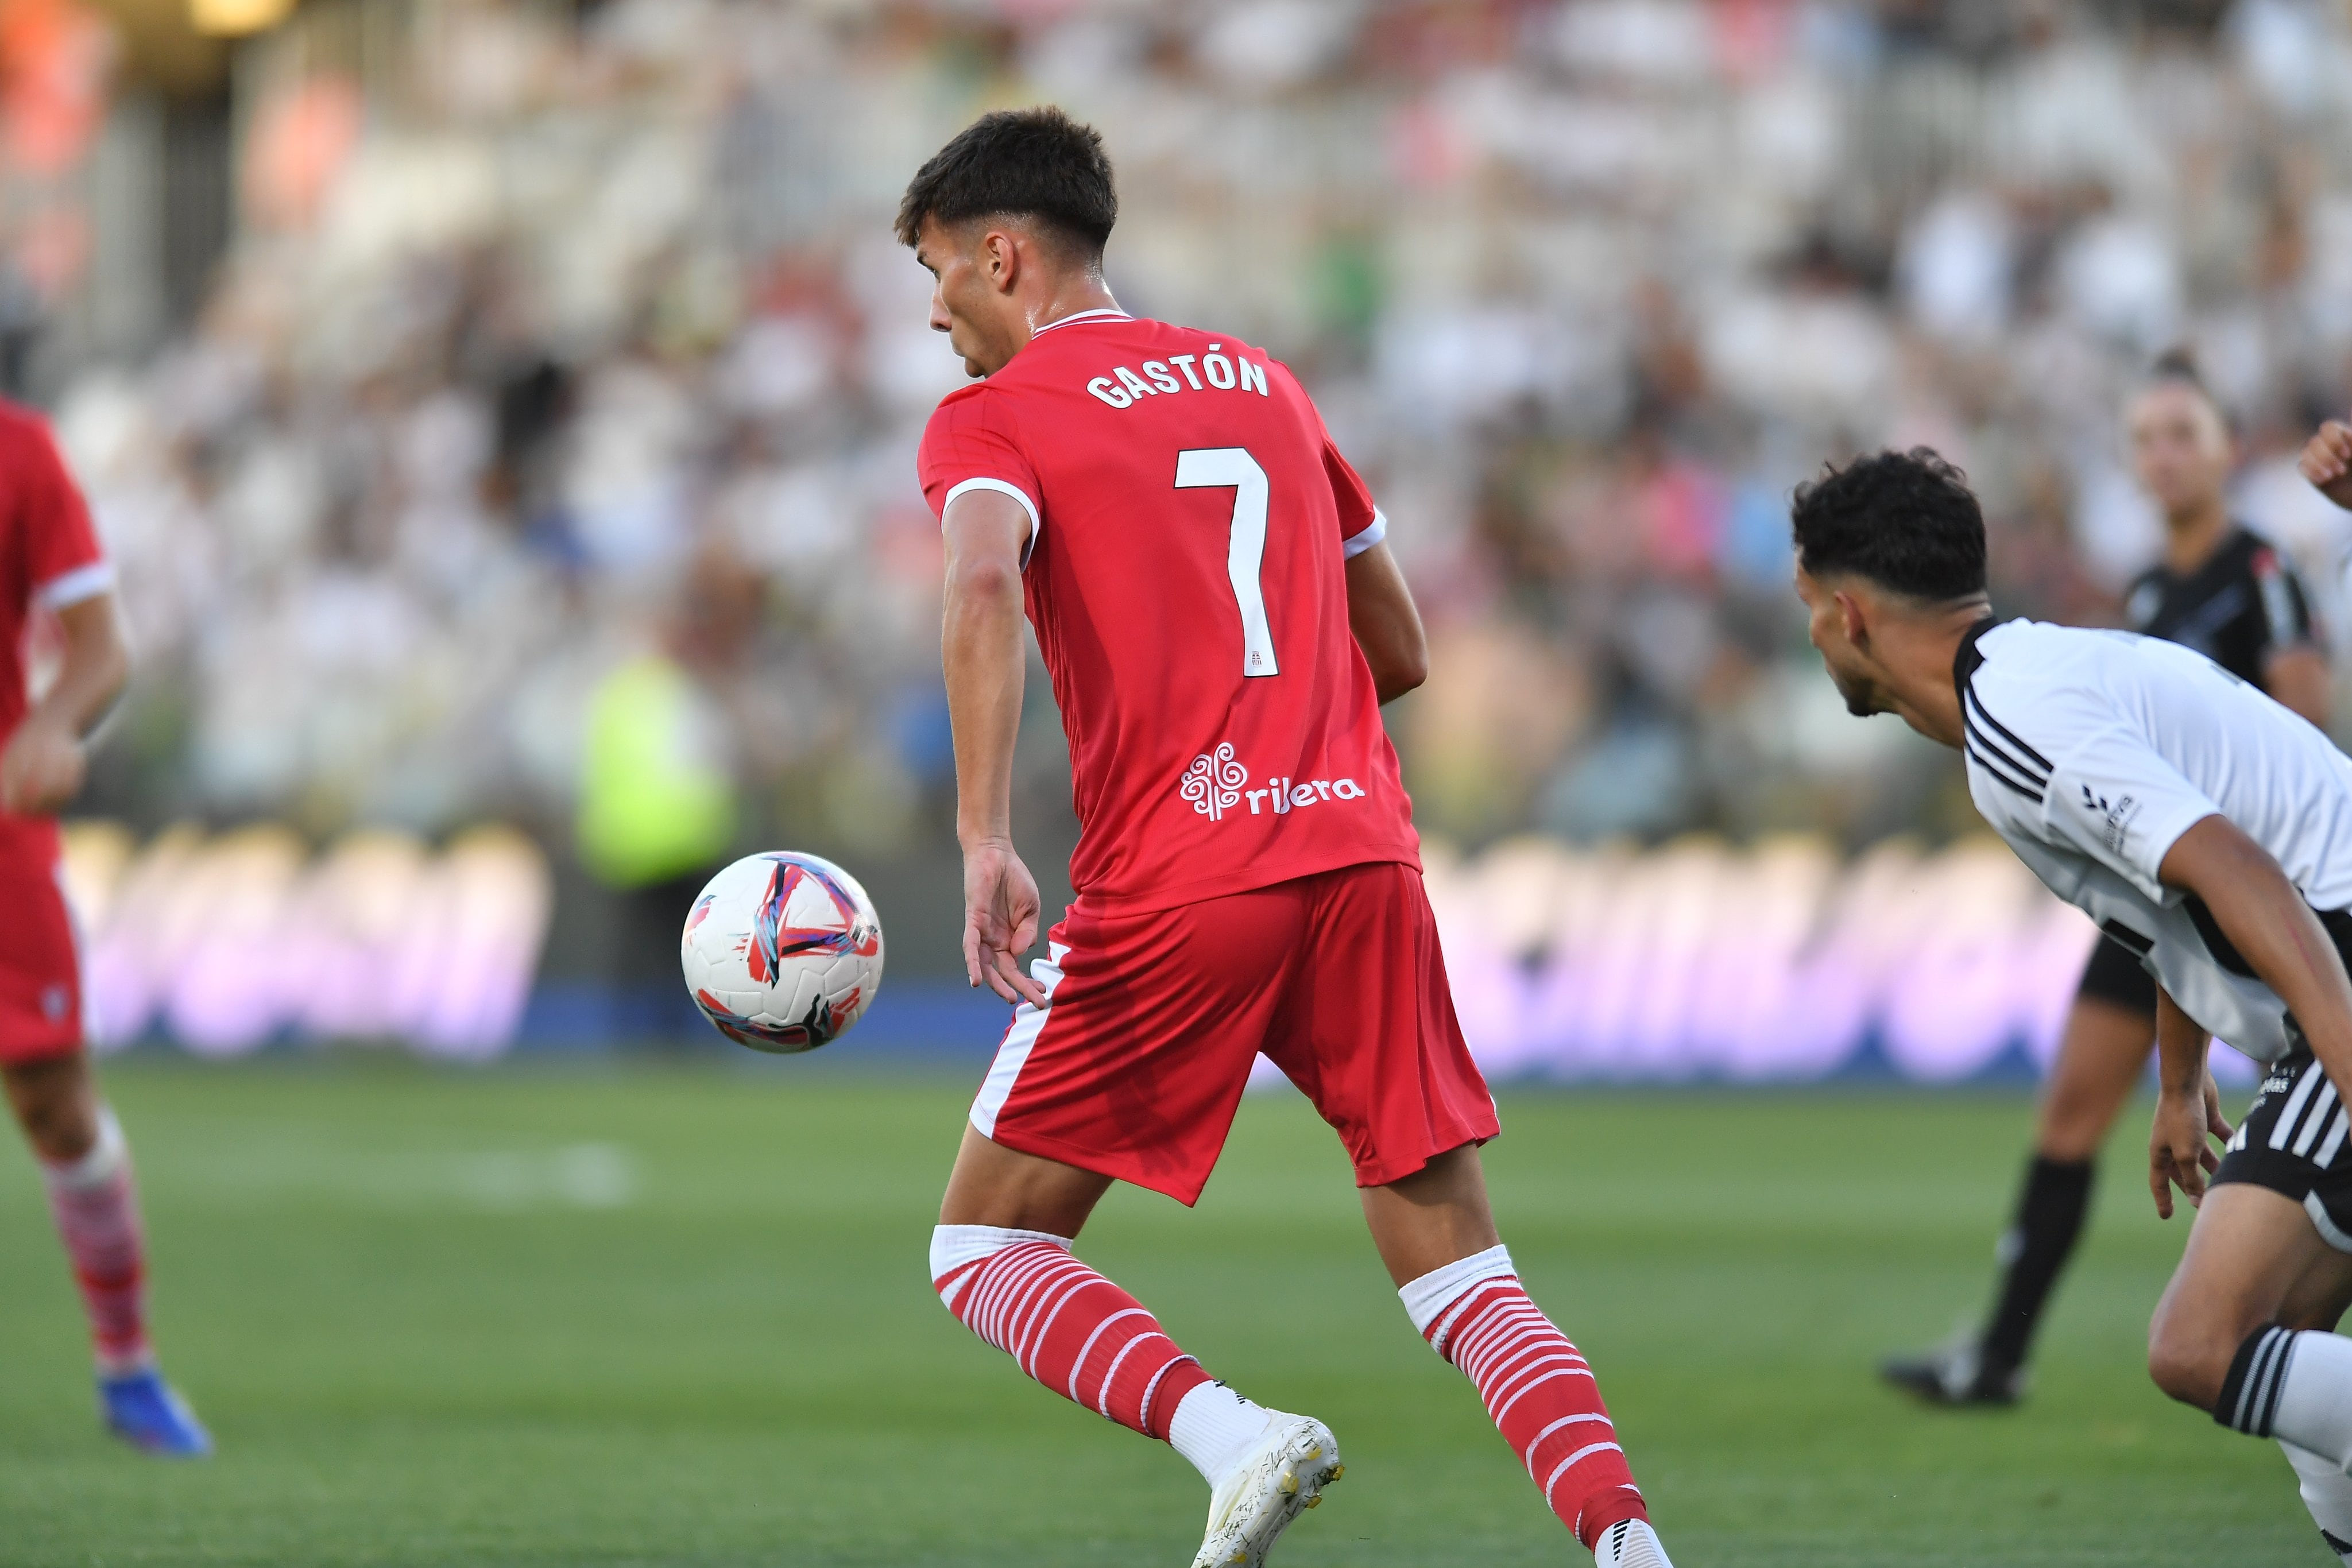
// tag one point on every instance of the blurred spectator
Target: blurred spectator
(560, 318)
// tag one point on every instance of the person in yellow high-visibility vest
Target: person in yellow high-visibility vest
(658, 795)
(657, 798)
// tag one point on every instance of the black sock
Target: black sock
(2250, 1394)
(2049, 1218)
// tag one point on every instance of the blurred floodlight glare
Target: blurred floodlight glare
(235, 18)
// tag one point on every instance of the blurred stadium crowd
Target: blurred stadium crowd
(558, 398)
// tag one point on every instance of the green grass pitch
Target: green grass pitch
(681, 1317)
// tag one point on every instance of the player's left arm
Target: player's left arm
(2297, 678)
(46, 759)
(1386, 623)
(1381, 611)
(2266, 918)
(2188, 1109)
(982, 655)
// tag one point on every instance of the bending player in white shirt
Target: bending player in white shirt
(2209, 830)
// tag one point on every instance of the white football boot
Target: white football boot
(1284, 1474)
(1629, 1543)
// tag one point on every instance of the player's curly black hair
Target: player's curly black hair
(1906, 520)
(1037, 164)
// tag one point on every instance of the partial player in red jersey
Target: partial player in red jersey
(52, 574)
(1221, 621)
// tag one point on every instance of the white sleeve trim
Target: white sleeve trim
(1036, 523)
(1374, 532)
(73, 587)
(2171, 823)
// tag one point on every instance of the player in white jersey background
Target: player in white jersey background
(2225, 590)
(2207, 828)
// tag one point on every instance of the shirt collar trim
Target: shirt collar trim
(1967, 658)
(1102, 315)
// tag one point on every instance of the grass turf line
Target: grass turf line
(681, 1317)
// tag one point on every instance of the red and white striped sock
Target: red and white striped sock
(1065, 1325)
(1537, 1386)
(96, 1205)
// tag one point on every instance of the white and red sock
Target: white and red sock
(1075, 1332)
(1537, 1386)
(96, 1205)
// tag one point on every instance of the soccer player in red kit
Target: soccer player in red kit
(51, 566)
(1221, 622)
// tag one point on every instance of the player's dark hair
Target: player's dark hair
(1906, 520)
(1035, 163)
(2177, 367)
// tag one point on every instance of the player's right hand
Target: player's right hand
(2326, 461)
(1000, 921)
(2178, 1152)
(42, 769)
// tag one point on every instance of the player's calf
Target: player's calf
(1079, 1335)
(95, 1203)
(1063, 1325)
(1543, 1398)
(1074, 1331)
(86, 1173)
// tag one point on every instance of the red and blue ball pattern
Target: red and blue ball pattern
(783, 952)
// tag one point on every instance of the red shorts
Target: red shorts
(40, 965)
(1136, 1066)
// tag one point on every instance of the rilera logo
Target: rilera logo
(1213, 783)
(1217, 783)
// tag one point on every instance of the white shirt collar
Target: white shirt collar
(1102, 315)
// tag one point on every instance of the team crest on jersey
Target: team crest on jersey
(1217, 783)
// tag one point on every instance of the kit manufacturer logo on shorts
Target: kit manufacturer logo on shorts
(2116, 817)
(1217, 783)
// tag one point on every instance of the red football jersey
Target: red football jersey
(1190, 518)
(49, 557)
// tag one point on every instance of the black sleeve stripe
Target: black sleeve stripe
(2006, 733)
(1991, 749)
(1999, 777)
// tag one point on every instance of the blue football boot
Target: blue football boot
(143, 1410)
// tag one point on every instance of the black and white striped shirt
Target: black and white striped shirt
(2092, 752)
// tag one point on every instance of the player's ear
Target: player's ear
(1853, 621)
(1000, 260)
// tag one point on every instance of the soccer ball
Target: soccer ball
(783, 952)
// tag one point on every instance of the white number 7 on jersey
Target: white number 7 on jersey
(1212, 467)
